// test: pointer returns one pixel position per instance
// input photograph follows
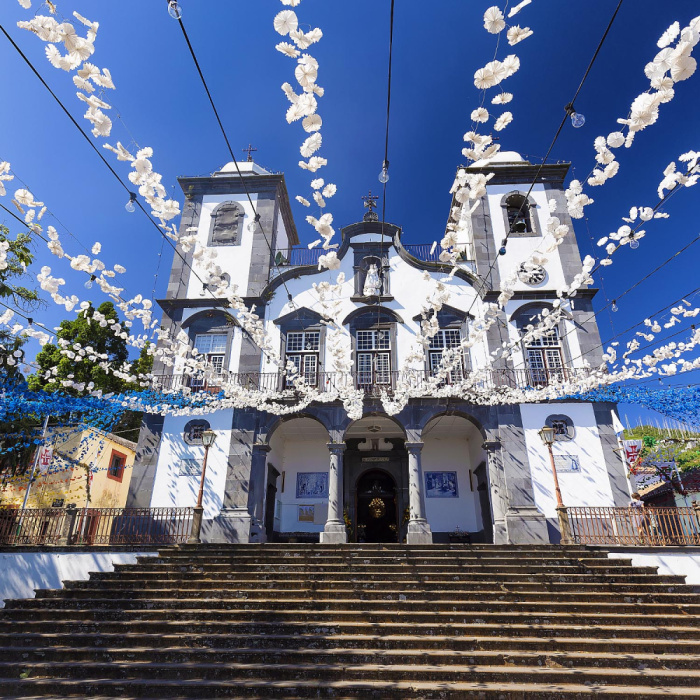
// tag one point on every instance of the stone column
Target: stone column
(418, 529)
(334, 530)
(256, 500)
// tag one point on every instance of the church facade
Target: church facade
(441, 467)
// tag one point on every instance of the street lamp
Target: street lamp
(547, 435)
(208, 439)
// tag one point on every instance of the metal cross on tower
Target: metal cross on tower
(249, 150)
(370, 201)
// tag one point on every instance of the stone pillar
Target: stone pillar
(256, 499)
(418, 529)
(334, 530)
(497, 487)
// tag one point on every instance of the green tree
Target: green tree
(92, 338)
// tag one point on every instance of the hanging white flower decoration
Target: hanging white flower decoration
(318, 198)
(514, 11)
(285, 22)
(484, 78)
(307, 104)
(502, 99)
(305, 74)
(669, 35)
(26, 4)
(329, 190)
(315, 162)
(480, 114)
(517, 34)
(683, 67)
(291, 3)
(312, 123)
(318, 183)
(503, 121)
(493, 20)
(294, 113)
(511, 64)
(288, 49)
(615, 139)
(58, 60)
(303, 201)
(329, 261)
(96, 248)
(311, 145)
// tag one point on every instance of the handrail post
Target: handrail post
(68, 526)
(564, 525)
(197, 514)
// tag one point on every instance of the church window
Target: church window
(303, 350)
(544, 358)
(226, 224)
(446, 339)
(518, 215)
(213, 347)
(373, 357)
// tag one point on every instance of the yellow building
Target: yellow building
(87, 468)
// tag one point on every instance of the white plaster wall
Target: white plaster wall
(519, 248)
(233, 259)
(171, 490)
(282, 237)
(25, 572)
(590, 487)
(446, 514)
(292, 457)
(407, 288)
(680, 563)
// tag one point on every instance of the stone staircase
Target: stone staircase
(358, 621)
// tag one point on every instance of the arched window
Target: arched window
(226, 224)
(518, 217)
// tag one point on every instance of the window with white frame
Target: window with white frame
(302, 349)
(213, 347)
(446, 339)
(544, 357)
(373, 356)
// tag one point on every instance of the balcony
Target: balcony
(372, 383)
(425, 252)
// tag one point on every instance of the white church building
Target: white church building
(438, 468)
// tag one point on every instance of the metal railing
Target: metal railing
(373, 383)
(95, 526)
(651, 527)
(426, 252)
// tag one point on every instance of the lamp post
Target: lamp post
(208, 439)
(547, 436)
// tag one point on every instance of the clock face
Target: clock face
(531, 274)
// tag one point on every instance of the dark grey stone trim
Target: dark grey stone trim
(181, 270)
(613, 460)
(143, 473)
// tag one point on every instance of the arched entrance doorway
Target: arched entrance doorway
(377, 508)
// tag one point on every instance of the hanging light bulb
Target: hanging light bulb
(502, 249)
(130, 206)
(254, 223)
(174, 9)
(614, 308)
(384, 175)
(577, 119)
(90, 282)
(634, 244)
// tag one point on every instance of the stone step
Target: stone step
(362, 592)
(427, 577)
(341, 690)
(14, 643)
(361, 584)
(218, 606)
(543, 626)
(387, 611)
(296, 655)
(233, 673)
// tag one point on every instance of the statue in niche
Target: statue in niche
(373, 283)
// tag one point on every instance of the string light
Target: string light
(634, 244)
(174, 9)
(130, 206)
(384, 175)
(614, 307)
(577, 119)
(90, 282)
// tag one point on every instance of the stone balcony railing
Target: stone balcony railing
(373, 383)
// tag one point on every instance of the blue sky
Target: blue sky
(437, 48)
